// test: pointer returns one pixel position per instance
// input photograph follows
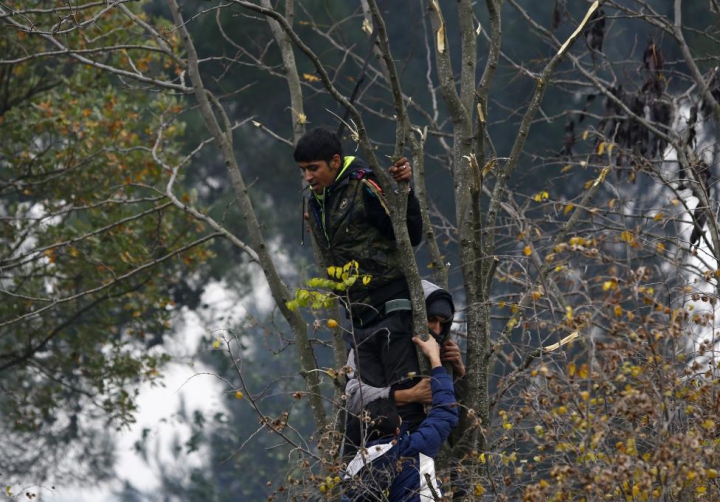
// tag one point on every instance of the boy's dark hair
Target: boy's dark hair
(382, 419)
(318, 144)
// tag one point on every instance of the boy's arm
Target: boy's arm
(441, 420)
(359, 394)
(443, 416)
(380, 218)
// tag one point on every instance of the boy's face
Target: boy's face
(320, 174)
(435, 323)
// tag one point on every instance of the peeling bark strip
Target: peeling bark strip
(579, 29)
(440, 31)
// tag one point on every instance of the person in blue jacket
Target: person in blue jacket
(399, 466)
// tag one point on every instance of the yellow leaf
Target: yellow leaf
(610, 148)
(216, 344)
(332, 323)
(507, 426)
(527, 251)
(618, 311)
(658, 217)
(626, 236)
(367, 26)
(566, 168)
(603, 174)
(571, 369)
(568, 208)
(536, 295)
(541, 196)
(585, 135)
(514, 308)
(479, 490)
(481, 459)
(675, 202)
(601, 148)
(331, 271)
(311, 78)
(366, 280)
(583, 371)
(609, 285)
(612, 202)
(569, 313)
(489, 166)
(239, 395)
(660, 247)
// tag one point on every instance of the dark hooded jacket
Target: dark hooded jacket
(350, 222)
(358, 392)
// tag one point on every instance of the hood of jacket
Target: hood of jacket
(432, 292)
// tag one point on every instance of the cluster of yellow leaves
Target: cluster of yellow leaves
(541, 196)
(329, 483)
(324, 292)
(629, 238)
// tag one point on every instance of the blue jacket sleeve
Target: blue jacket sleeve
(441, 420)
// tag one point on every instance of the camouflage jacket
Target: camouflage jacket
(350, 222)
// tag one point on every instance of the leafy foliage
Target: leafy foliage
(341, 280)
(89, 250)
(631, 415)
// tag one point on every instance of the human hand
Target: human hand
(450, 353)
(431, 349)
(420, 393)
(401, 170)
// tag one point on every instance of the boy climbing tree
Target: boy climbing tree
(350, 221)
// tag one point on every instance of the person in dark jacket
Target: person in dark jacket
(440, 312)
(374, 474)
(349, 220)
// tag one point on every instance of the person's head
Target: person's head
(440, 311)
(319, 155)
(382, 419)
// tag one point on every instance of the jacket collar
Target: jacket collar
(351, 164)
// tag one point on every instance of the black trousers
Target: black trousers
(385, 356)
